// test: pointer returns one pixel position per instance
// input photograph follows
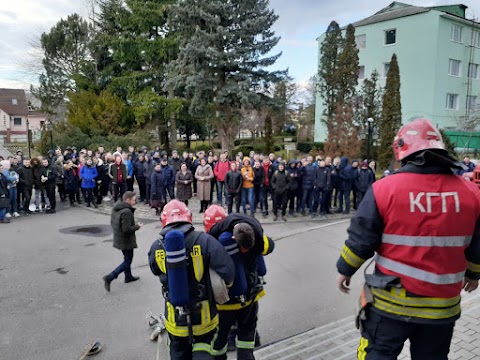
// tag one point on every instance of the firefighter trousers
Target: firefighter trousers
(201, 349)
(383, 339)
(246, 320)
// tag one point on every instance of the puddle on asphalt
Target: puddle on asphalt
(89, 230)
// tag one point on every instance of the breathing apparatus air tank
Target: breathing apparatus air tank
(177, 271)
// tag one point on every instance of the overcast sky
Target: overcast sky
(300, 23)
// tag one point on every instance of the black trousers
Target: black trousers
(118, 190)
(142, 186)
(88, 195)
(51, 196)
(61, 191)
(71, 196)
(26, 196)
(130, 184)
(231, 198)
(246, 320)
(292, 194)
(181, 349)
(383, 339)
(280, 202)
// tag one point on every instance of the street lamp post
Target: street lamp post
(369, 137)
(50, 130)
(29, 140)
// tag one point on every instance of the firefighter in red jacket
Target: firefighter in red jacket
(423, 224)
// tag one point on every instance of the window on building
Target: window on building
(361, 41)
(471, 102)
(14, 101)
(17, 121)
(386, 67)
(473, 71)
(476, 39)
(361, 72)
(390, 37)
(456, 33)
(452, 102)
(454, 67)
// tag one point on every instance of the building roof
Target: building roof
(394, 11)
(13, 102)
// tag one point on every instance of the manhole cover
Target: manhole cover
(93, 230)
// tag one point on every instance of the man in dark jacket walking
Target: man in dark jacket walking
(124, 228)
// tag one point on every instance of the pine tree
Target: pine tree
(66, 61)
(370, 108)
(223, 57)
(347, 67)
(328, 81)
(342, 62)
(391, 120)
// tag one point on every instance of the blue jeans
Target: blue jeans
(344, 196)
(13, 199)
(125, 266)
(221, 191)
(3, 211)
(307, 198)
(319, 198)
(247, 196)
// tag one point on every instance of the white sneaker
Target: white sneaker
(16, 214)
(106, 198)
(8, 215)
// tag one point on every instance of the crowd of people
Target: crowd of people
(317, 186)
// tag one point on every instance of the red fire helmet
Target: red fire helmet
(175, 211)
(416, 136)
(213, 215)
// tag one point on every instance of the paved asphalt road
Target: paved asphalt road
(52, 300)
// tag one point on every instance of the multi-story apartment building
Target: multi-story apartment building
(438, 52)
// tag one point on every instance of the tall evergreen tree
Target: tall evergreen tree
(370, 107)
(391, 114)
(67, 61)
(347, 67)
(343, 79)
(223, 57)
(328, 81)
(134, 45)
(283, 94)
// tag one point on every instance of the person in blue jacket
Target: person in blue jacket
(88, 176)
(127, 160)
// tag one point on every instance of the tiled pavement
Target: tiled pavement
(339, 340)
